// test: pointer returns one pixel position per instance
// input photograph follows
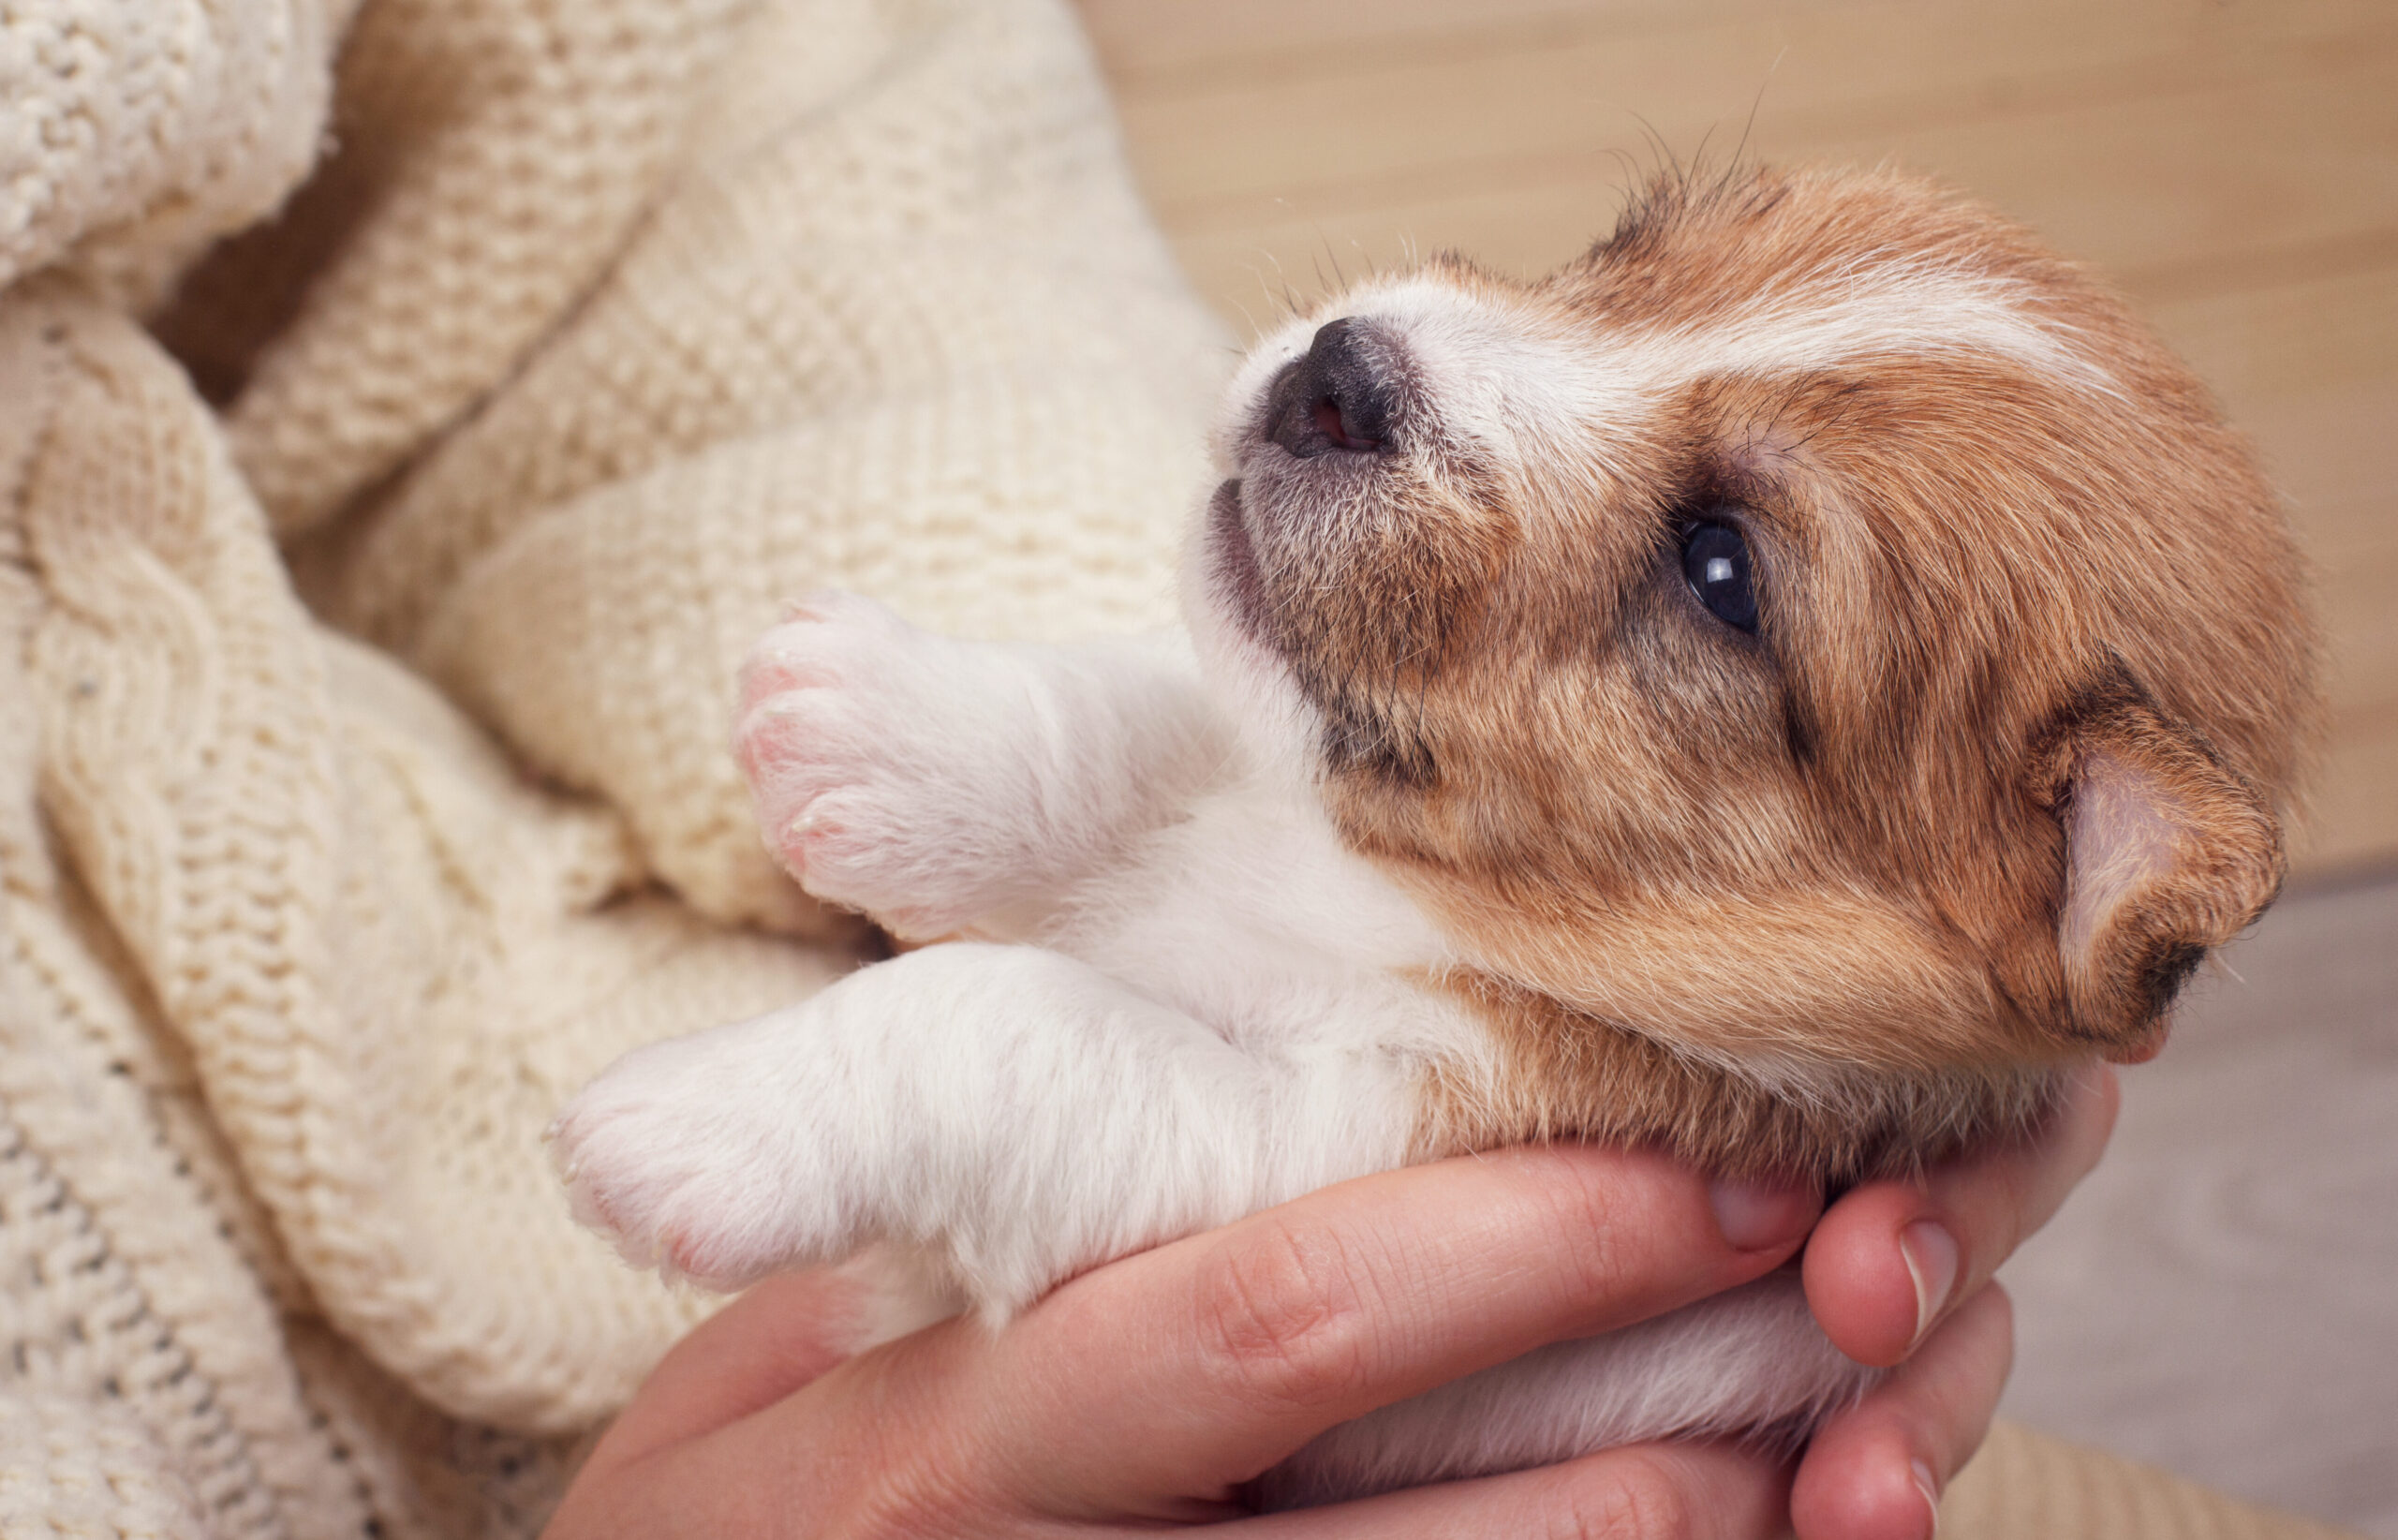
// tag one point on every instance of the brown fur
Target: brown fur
(1577, 1075)
(1699, 870)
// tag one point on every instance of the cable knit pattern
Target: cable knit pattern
(612, 324)
(342, 909)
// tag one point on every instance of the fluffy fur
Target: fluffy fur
(1469, 822)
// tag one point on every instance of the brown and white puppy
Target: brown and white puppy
(1786, 686)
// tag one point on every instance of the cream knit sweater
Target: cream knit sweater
(369, 594)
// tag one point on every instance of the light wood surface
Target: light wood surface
(2215, 1299)
(2232, 163)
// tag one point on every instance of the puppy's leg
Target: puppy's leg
(937, 784)
(1747, 1362)
(1005, 1109)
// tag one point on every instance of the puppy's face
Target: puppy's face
(1818, 632)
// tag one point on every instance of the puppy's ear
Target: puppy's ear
(2167, 854)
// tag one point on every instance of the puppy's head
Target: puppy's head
(1818, 632)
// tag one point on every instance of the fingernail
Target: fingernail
(1930, 1490)
(1755, 1217)
(1931, 1253)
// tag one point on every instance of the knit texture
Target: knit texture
(899, 327)
(133, 132)
(367, 622)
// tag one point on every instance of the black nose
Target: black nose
(1341, 397)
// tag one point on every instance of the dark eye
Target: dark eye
(1716, 561)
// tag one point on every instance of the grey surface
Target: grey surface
(2221, 1297)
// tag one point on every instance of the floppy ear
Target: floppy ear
(2167, 854)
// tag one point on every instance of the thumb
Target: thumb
(769, 1342)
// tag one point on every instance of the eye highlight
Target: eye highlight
(1715, 562)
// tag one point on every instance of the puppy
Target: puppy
(1784, 687)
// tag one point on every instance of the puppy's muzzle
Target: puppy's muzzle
(1346, 396)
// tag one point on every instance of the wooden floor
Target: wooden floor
(2233, 163)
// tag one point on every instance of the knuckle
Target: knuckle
(1592, 1238)
(1279, 1319)
(1638, 1500)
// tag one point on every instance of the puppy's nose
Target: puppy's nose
(1341, 397)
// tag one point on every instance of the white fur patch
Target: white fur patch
(1216, 1021)
(1745, 1359)
(1504, 373)
(1008, 1110)
(937, 784)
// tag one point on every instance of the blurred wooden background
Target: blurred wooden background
(2232, 163)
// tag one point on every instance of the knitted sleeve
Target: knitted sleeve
(87, 1468)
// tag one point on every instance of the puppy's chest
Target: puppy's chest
(1250, 916)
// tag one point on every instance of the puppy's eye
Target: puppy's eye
(1716, 561)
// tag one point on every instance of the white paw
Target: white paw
(867, 744)
(696, 1159)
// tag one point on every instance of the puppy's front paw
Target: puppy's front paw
(696, 1165)
(868, 744)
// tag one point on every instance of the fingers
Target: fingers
(1876, 1470)
(1890, 1259)
(769, 1342)
(1654, 1491)
(1190, 1369)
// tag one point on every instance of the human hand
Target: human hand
(1145, 1392)
(1899, 1273)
